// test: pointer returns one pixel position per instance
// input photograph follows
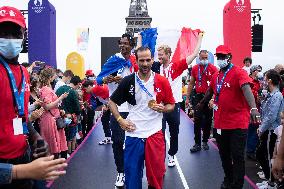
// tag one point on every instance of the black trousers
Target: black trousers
(18, 184)
(173, 119)
(231, 144)
(118, 136)
(202, 120)
(264, 152)
(88, 120)
(105, 122)
(84, 122)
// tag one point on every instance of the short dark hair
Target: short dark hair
(140, 49)
(68, 73)
(274, 76)
(228, 56)
(247, 59)
(87, 83)
(131, 39)
(75, 80)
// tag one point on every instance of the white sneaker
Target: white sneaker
(119, 180)
(262, 183)
(267, 186)
(261, 175)
(171, 162)
(107, 140)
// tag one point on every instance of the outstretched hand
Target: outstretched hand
(45, 168)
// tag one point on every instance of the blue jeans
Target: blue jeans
(252, 138)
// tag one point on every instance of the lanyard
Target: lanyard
(220, 85)
(18, 96)
(200, 75)
(142, 86)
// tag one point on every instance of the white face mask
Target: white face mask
(222, 63)
(10, 48)
(259, 75)
(91, 78)
(203, 62)
(67, 121)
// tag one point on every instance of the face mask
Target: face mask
(67, 121)
(259, 76)
(203, 62)
(10, 48)
(91, 78)
(222, 63)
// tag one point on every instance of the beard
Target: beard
(145, 70)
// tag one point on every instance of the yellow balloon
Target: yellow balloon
(75, 62)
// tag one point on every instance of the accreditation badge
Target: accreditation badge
(18, 126)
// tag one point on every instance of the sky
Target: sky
(107, 19)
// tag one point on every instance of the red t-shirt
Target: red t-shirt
(101, 91)
(86, 96)
(205, 77)
(233, 109)
(11, 146)
(255, 89)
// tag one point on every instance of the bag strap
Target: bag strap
(51, 113)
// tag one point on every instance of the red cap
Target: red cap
(223, 49)
(11, 14)
(89, 73)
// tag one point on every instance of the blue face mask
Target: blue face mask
(67, 121)
(204, 62)
(222, 63)
(10, 48)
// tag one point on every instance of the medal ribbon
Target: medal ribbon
(220, 85)
(142, 86)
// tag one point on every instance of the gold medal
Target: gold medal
(151, 103)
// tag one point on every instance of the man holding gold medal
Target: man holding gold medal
(148, 96)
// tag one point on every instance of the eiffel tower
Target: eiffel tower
(138, 18)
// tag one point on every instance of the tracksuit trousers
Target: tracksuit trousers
(152, 150)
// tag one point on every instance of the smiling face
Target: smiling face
(163, 57)
(144, 61)
(124, 46)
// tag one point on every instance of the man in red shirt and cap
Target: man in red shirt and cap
(201, 75)
(233, 107)
(90, 75)
(14, 95)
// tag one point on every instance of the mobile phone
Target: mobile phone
(39, 63)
